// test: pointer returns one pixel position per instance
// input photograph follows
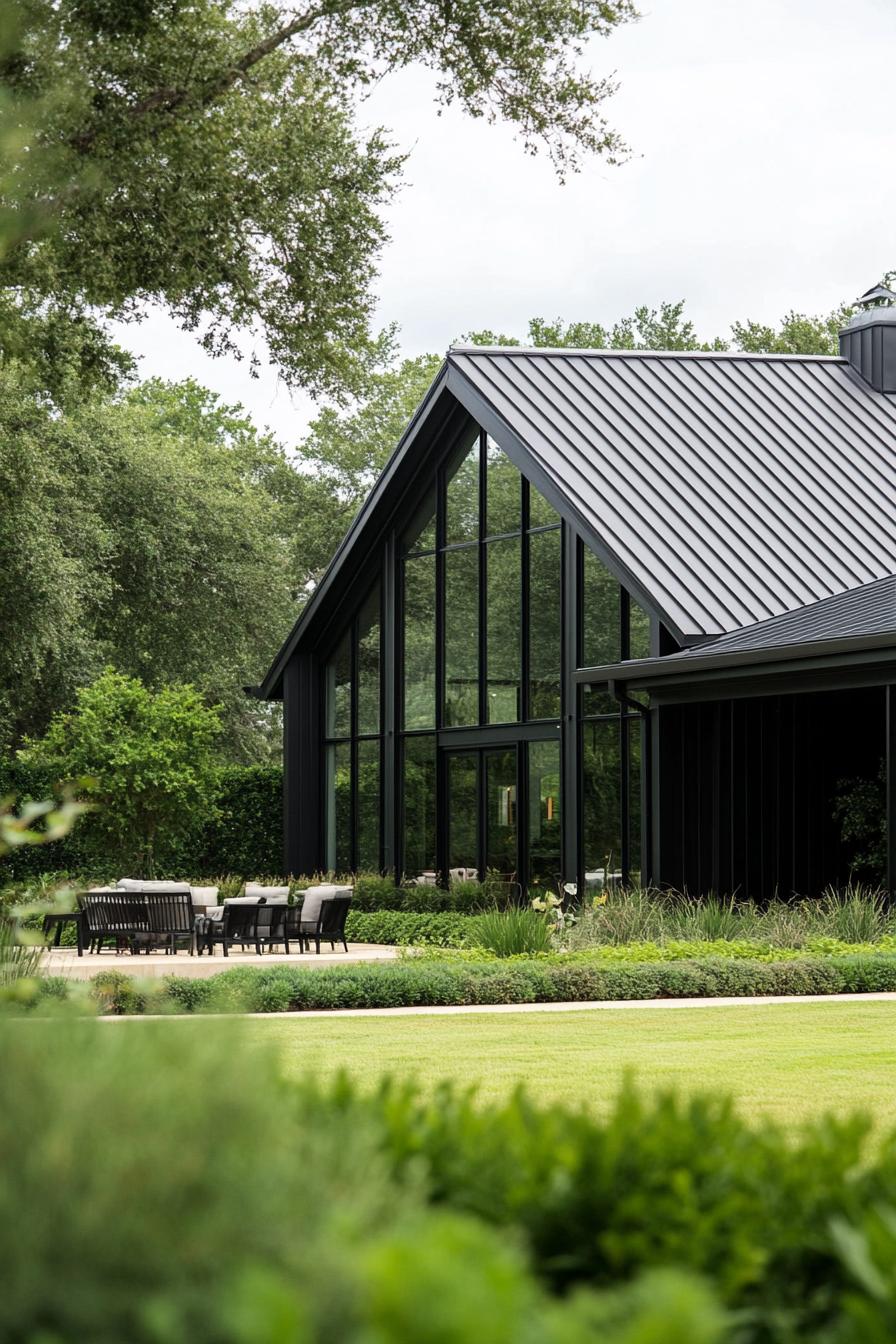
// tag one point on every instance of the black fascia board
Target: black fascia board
(270, 688)
(484, 413)
(682, 669)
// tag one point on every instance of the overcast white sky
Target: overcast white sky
(764, 181)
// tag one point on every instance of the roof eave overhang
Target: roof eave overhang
(812, 657)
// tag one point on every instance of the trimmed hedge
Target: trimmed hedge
(400, 929)
(373, 893)
(246, 836)
(424, 983)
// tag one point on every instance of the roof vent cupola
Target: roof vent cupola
(869, 342)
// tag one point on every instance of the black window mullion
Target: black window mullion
(354, 810)
(624, 765)
(483, 581)
(525, 592)
(440, 599)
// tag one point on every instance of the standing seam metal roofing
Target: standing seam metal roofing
(732, 488)
(867, 610)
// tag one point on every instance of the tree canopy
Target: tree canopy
(153, 530)
(147, 760)
(211, 156)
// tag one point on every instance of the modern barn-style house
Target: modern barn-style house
(611, 613)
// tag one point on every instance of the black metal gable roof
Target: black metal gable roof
(721, 489)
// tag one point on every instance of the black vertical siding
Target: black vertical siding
(747, 789)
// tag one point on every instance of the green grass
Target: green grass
(787, 1061)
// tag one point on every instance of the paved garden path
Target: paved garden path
(65, 961)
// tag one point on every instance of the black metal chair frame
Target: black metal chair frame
(171, 918)
(138, 921)
(281, 925)
(329, 926)
(238, 924)
(55, 922)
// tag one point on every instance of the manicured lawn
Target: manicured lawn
(788, 1061)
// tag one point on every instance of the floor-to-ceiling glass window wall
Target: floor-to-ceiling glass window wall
(481, 586)
(479, 655)
(353, 743)
(613, 627)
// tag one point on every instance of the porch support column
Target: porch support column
(302, 766)
(890, 692)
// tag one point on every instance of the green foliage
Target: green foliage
(324, 1231)
(238, 838)
(372, 892)
(210, 157)
(245, 832)
(154, 529)
(857, 914)
(860, 807)
(404, 928)
(145, 759)
(508, 933)
(469, 979)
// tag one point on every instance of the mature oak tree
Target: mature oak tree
(209, 156)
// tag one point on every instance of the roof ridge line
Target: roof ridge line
(595, 352)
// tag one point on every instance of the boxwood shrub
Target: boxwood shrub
(414, 982)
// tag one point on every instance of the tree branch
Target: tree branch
(172, 98)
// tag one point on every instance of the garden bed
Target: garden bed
(460, 982)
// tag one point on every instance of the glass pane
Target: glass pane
(339, 807)
(463, 812)
(601, 642)
(544, 625)
(599, 702)
(462, 497)
(544, 814)
(601, 802)
(503, 492)
(501, 813)
(369, 665)
(638, 631)
(339, 689)
(420, 642)
(540, 512)
(504, 630)
(634, 732)
(462, 636)
(421, 533)
(369, 805)
(420, 807)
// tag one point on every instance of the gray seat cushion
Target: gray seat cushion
(256, 890)
(145, 888)
(314, 899)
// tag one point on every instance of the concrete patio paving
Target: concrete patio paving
(65, 961)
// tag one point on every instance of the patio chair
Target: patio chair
(323, 915)
(238, 924)
(278, 923)
(172, 919)
(114, 916)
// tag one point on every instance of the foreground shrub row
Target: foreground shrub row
(424, 982)
(282, 1211)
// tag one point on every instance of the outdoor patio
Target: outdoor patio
(65, 961)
